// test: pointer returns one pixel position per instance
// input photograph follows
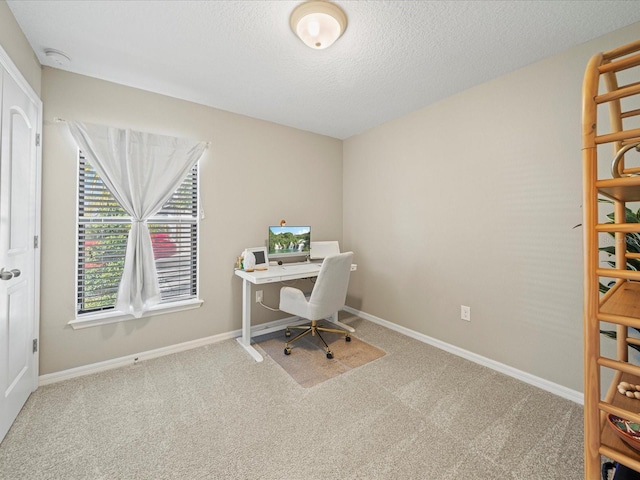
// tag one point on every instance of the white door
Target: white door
(18, 265)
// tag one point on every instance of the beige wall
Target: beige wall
(254, 174)
(470, 201)
(17, 47)
(473, 201)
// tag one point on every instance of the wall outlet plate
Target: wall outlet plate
(465, 313)
(259, 296)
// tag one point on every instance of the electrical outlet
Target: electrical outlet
(259, 296)
(465, 313)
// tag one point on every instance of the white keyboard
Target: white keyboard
(307, 267)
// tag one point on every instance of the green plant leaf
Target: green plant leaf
(633, 263)
(632, 241)
(605, 288)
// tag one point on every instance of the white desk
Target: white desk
(281, 273)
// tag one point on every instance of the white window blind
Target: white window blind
(102, 240)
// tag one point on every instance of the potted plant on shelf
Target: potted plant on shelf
(633, 246)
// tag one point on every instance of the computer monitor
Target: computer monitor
(289, 241)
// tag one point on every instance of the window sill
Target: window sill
(97, 319)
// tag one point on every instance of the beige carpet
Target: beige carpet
(417, 413)
(308, 363)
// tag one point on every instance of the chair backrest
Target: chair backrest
(330, 291)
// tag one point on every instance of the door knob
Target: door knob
(9, 274)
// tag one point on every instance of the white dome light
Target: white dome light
(318, 23)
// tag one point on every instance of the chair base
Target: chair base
(314, 330)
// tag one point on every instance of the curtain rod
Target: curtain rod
(62, 120)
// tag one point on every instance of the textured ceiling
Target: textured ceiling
(241, 56)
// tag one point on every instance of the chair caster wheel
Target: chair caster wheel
(287, 333)
(287, 351)
(329, 355)
(347, 338)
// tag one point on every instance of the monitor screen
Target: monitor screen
(289, 241)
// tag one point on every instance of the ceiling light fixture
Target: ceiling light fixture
(318, 23)
(57, 57)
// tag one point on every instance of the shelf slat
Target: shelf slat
(617, 136)
(622, 92)
(620, 65)
(620, 366)
(618, 227)
(625, 189)
(624, 302)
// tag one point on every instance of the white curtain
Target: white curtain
(142, 171)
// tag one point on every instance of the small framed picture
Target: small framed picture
(262, 260)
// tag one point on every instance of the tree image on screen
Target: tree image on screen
(289, 240)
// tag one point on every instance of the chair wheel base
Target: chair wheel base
(314, 330)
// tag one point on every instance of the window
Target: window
(102, 240)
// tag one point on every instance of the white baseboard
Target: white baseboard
(556, 389)
(269, 327)
(130, 359)
(62, 375)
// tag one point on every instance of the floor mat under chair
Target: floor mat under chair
(308, 363)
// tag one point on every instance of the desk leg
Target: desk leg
(245, 339)
(334, 319)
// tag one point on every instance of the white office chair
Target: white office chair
(328, 296)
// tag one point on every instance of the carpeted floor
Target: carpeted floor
(213, 413)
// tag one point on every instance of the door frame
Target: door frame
(16, 74)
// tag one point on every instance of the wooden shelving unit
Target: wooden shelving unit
(611, 79)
